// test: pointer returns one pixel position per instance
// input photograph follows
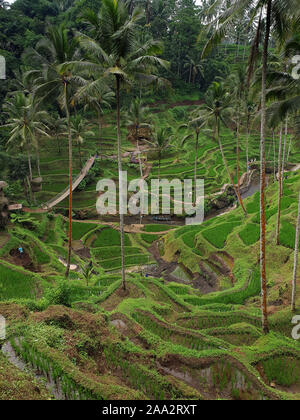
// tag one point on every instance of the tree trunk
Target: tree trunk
(120, 182)
(289, 151)
(79, 151)
(296, 259)
(238, 166)
(247, 142)
(159, 163)
(274, 157)
(284, 153)
(196, 167)
(263, 275)
(100, 129)
(70, 183)
(38, 160)
(29, 164)
(279, 186)
(231, 180)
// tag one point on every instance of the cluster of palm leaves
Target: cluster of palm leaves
(278, 19)
(90, 70)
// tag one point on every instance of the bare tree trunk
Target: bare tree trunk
(70, 183)
(247, 142)
(296, 259)
(279, 186)
(274, 156)
(141, 185)
(196, 166)
(231, 180)
(263, 275)
(159, 164)
(289, 151)
(238, 166)
(29, 164)
(38, 160)
(284, 153)
(100, 129)
(120, 182)
(79, 151)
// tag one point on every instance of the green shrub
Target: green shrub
(60, 294)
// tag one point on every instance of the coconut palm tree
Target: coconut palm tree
(97, 101)
(196, 123)
(296, 259)
(55, 82)
(115, 45)
(238, 86)
(137, 118)
(161, 142)
(217, 110)
(193, 69)
(80, 132)
(58, 128)
(26, 123)
(277, 14)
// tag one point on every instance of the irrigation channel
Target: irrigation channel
(53, 386)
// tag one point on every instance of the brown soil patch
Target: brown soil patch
(13, 312)
(119, 295)
(23, 260)
(72, 320)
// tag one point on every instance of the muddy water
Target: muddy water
(47, 381)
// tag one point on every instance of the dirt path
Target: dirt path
(73, 267)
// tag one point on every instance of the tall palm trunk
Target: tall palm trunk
(225, 162)
(70, 183)
(120, 181)
(238, 166)
(274, 156)
(284, 154)
(100, 130)
(196, 166)
(29, 164)
(289, 151)
(79, 152)
(296, 259)
(141, 174)
(279, 186)
(263, 274)
(159, 164)
(38, 159)
(247, 142)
